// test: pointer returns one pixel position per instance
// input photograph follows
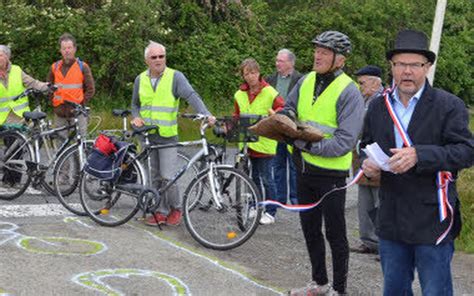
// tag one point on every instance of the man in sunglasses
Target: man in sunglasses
(155, 101)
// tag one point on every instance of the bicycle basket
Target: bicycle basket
(237, 128)
(107, 167)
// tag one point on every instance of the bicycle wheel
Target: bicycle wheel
(231, 224)
(15, 154)
(67, 173)
(113, 203)
(49, 147)
(190, 173)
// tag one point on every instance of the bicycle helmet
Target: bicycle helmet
(334, 40)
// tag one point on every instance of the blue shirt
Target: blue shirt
(404, 113)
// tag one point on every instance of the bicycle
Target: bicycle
(214, 214)
(20, 156)
(66, 180)
(65, 177)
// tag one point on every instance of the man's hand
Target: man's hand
(403, 159)
(371, 170)
(138, 122)
(211, 120)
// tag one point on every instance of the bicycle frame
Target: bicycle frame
(199, 155)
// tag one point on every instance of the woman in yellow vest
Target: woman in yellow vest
(13, 81)
(256, 97)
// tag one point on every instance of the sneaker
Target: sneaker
(267, 219)
(33, 191)
(312, 289)
(174, 218)
(156, 219)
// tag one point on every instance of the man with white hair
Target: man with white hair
(13, 81)
(155, 101)
(283, 80)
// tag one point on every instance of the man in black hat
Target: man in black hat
(370, 82)
(425, 132)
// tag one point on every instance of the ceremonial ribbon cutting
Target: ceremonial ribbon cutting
(307, 207)
(443, 177)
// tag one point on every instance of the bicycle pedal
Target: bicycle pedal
(42, 167)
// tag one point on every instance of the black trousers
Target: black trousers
(310, 190)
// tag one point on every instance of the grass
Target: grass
(466, 194)
(187, 129)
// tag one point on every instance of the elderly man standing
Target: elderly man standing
(155, 101)
(425, 131)
(75, 83)
(13, 81)
(370, 82)
(328, 99)
(283, 80)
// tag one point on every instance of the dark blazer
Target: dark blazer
(295, 76)
(439, 131)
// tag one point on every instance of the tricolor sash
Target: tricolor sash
(442, 179)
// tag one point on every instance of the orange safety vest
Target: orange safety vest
(70, 88)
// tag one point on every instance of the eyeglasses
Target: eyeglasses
(154, 57)
(411, 66)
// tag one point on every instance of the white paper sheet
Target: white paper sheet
(376, 154)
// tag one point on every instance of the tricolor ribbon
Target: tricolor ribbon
(442, 179)
(307, 207)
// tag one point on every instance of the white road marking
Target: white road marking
(43, 210)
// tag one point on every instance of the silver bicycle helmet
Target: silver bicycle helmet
(334, 40)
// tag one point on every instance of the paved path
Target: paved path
(46, 251)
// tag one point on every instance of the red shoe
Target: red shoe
(156, 219)
(174, 217)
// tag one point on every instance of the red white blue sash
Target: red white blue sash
(443, 178)
(307, 207)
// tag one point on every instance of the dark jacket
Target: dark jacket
(295, 76)
(439, 131)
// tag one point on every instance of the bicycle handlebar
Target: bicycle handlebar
(194, 116)
(78, 108)
(27, 92)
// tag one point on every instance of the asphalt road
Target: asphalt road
(47, 251)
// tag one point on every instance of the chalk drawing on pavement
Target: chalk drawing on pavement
(49, 245)
(212, 260)
(76, 220)
(95, 280)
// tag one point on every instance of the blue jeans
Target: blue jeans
(283, 167)
(262, 175)
(433, 264)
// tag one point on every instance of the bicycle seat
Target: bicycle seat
(143, 129)
(121, 113)
(35, 115)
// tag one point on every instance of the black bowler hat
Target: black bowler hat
(411, 41)
(369, 71)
